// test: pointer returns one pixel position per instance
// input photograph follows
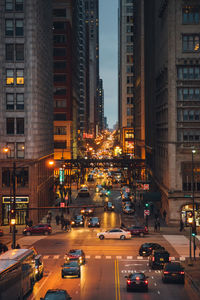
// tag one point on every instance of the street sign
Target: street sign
(146, 187)
(62, 204)
(61, 175)
(147, 212)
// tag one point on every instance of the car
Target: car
(147, 248)
(115, 233)
(38, 229)
(56, 294)
(128, 209)
(94, 222)
(39, 267)
(100, 175)
(76, 254)
(173, 272)
(136, 281)
(77, 221)
(3, 248)
(1, 232)
(138, 230)
(109, 206)
(87, 211)
(98, 188)
(83, 192)
(126, 197)
(158, 259)
(71, 268)
(104, 192)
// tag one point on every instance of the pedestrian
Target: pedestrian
(158, 224)
(62, 221)
(26, 221)
(181, 225)
(155, 226)
(67, 225)
(156, 215)
(164, 215)
(48, 220)
(57, 219)
(18, 246)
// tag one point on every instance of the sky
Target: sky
(108, 52)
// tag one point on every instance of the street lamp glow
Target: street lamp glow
(5, 149)
(51, 162)
(193, 151)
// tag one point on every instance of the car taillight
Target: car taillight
(128, 281)
(166, 272)
(137, 278)
(150, 248)
(153, 258)
(182, 273)
(49, 227)
(146, 281)
(170, 259)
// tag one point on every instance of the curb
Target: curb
(192, 286)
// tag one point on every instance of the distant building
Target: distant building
(26, 107)
(100, 106)
(126, 66)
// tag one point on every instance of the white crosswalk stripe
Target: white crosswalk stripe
(87, 256)
(56, 256)
(129, 257)
(118, 257)
(46, 257)
(108, 257)
(180, 243)
(97, 257)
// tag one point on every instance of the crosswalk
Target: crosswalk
(112, 257)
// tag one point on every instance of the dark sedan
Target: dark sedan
(77, 221)
(77, 255)
(94, 222)
(147, 248)
(56, 295)
(173, 272)
(136, 281)
(71, 269)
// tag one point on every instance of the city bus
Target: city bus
(17, 276)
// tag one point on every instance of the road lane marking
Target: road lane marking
(118, 257)
(56, 257)
(41, 286)
(108, 257)
(46, 257)
(139, 257)
(182, 258)
(129, 257)
(87, 256)
(117, 282)
(97, 257)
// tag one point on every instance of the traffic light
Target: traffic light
(12, 217)
(146, 204)
(194, 230)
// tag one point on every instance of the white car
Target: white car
(115, 233)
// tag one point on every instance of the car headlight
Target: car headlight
(82, 211)
(72, 222)
(81, 222)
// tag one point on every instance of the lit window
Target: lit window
(20, 150)
(20, 77)
(9, 77)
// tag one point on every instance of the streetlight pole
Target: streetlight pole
(14, 206)
(193, 208)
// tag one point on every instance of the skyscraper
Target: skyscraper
(26, 107)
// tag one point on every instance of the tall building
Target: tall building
(26, 108)
(100, 106)
(92, 34)
(172, 103)
(126, 74)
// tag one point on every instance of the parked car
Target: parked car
(147, 248)
(77, 221)
(136, 281)
(88, 211)
(138, 230)
(76, 254)
(71, 268)
(56, 294)
(108, 206)
(94, 222)
(115, 233)
(173, 272)
(158, 259)
(38, 229)
(1, 232)
(39, 267)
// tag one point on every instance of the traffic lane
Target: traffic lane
(157, 289)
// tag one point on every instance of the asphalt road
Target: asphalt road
(107, 261)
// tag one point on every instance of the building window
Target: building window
(9, 76)
(129, 19)
(60, 65)
(190, 43)
(129, 28)
(20, 150)
(10, 102)
(20, 101)
(128, 111)
(129, 100)
(60, 91)
(129, 49)
(60, 78)
(60, 117)
(19, 5)
(59, 103)
(6, 177)
(59, 13)
(129, 38)
(20, 77)
(191, 15)
(189, 94)
(22, 177)
(60, 130)
(19, 52)
(60, 145)
(9, 52)
(59, 52)
(9, 5)
(10, 125)
(59, 25)
(11, 152)
(129, 79)
(129, 90)
(19, 27)
(188, 72)
(129, 9)
(59, 39)
(19, 125)
(129, 59)
(9, 29)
